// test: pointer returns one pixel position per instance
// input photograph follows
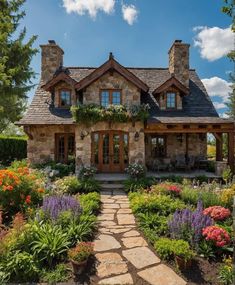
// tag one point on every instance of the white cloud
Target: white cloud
(217, 86)
(92, 7)
(219, 105)
(224, 115)
(129, 13)
(214, 42)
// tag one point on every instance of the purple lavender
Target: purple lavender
(188, 225)
(54, 205)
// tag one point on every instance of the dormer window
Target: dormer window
(110, 97)
(170, 100)
(65, 98)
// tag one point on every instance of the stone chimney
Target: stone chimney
(52, 59)
(179, 61)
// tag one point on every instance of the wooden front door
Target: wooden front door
(110, 151)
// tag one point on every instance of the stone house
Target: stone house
(174, 135)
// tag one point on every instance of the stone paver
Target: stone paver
(110, 263)
(141, 257)
(125, 219)
(106, 242)
(124, 279)
(134, 242)
(119, 248)
(161, 274)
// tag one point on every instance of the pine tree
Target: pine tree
(15, 58)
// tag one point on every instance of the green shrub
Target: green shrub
(89, 185)
(60, 273)
(90, 202)
(139, 184)
(163, 205)
(153, 222)
(12, 148)
(50, 243)
(226, 273)
(62, 169)
(68, 184)
(136, 170)
(174, 179)
(167, 249)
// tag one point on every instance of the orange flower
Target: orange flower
(9, 187)
(28, 199)
(41, 190)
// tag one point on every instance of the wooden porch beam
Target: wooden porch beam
(231, 150)
(219, 146)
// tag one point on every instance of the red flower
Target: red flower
(217, 235)
(28, 199)
(217, 213)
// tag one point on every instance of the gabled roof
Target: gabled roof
(171, 82)
(111, 65)
(61, 76)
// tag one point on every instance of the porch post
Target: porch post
(219, 146)
(231, 150)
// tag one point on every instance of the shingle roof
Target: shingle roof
(195, 105)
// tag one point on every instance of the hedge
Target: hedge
(12, 148)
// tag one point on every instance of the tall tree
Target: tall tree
(15, 58)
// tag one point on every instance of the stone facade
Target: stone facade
(41, 145)
(83, 146)
(51, 60)
(179, 61)
(130, 93)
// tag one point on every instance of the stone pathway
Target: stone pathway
(122, 254)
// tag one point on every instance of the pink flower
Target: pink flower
(217, 235)
(217, 213)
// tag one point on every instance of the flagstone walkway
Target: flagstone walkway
(123, 256)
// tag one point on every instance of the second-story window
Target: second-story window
(109, 97)
(65, 98)
(170, 100)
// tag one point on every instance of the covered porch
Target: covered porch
(181, 148)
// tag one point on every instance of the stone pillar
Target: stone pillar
(179, 61)
(51, 60)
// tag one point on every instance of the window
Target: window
(158, 146)
(170, 100)
(65, 147)
(65, 98)
(109, 97)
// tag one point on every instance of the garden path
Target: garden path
(123, 255)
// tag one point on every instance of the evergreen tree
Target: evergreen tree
(15, 58)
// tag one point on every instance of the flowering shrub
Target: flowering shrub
(188, 225)
(136, 170)
(217, 235)
(53, 206)
(166, 188)
(227, 195)
(81, 252)
(217, 213)
(87, 172)
(20, 189)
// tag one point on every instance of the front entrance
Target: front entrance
(110, 151)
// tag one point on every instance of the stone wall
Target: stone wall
(179, 61)
(41, 148)
(130, 93)
(197, 146)
(83, 147)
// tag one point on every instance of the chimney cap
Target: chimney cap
(111, 56)
(51, 42)
(178, 41)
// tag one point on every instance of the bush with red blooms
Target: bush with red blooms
(217, 235)
(20, 190)
(217, 213)
(166, 188)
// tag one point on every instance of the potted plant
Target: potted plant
(183, 255)
(79, 256)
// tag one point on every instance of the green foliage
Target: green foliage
(60, 273)
(68, 184)
(153, 222)
(50, 243)
(21, 267)
(136, 170)
(167, 249)
(226, 273)
(89, 185)
(163, 205)
(92, 113)
(174, 179)
(227, 174)
(138, 184)
(12, 148)
(15, 58)
(90, 202)
(63, 169)
(206, 249)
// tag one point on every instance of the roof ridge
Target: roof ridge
(127, 67)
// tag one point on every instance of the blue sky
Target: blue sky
(138, 32)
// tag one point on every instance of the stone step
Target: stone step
(112, 186)
(111, 181)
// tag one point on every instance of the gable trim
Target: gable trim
(60, 77)
(167, 84)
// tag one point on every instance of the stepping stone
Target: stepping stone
(124, 211)
(120, 227)
(107, 201)
(111, 206)
(125, 205)
(124, 279)
(104, 231)
(108, 211)
(118, 231)
(134, 242)
(106, 217)
(141, 257)
(106, 242)
(110, 263)
(161, 274)
(132, 233)
(107, 223)
(125, 219)
(116, 197)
